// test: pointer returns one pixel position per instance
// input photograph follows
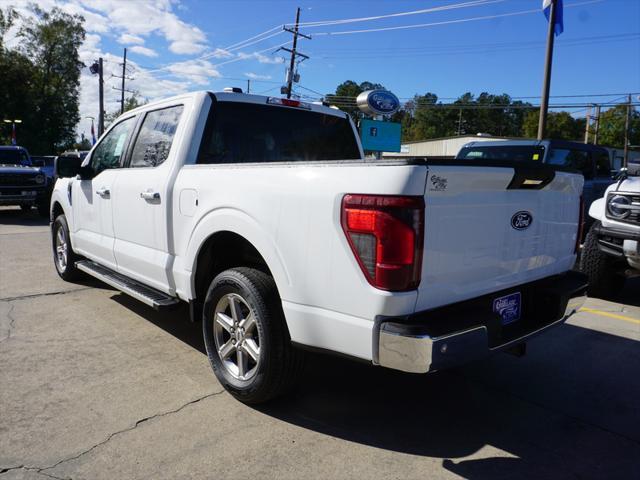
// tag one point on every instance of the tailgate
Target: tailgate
(493, 228)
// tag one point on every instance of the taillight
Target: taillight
(386, 234)
(580, 226)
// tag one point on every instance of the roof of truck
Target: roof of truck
(247, 98)
(534, 143)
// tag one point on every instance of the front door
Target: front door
(142, 191)
(92, 198)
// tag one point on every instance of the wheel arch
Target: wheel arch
(227, 239)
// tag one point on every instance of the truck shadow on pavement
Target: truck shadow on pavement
(566, 409)
(17, 217)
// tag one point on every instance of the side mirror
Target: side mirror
(69, 167)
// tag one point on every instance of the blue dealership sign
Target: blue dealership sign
(379, 136)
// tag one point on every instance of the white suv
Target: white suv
(612, 248)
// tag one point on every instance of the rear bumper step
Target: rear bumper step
(133, 288)
(468, 331)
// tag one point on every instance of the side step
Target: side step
(137, 290)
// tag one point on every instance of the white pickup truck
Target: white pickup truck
(265, 216)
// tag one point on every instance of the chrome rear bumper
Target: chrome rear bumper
(422, 343)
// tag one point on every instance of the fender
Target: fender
(597, 209)
(238, 222)
(60, 195)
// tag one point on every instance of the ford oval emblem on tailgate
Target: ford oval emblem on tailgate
(521, 220)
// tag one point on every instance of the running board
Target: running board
(137, 290)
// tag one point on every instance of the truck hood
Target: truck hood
(19, 169)
(631, 184)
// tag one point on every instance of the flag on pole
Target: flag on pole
(13, 134)
(558, 27)
(93, 134)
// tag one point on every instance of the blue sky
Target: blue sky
(599, 51)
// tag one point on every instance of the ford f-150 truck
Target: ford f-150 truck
(611, 252)
(263, 214)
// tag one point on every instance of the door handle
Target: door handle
(104, 192)
(150, 195)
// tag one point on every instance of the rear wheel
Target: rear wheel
(246, 336)
(64, 257)
(601, 268)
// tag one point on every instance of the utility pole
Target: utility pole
(627, 124)
(595, 137)
(96, 68)
(587, 125)
(294, 52)
(124, 71)
(101, 95)
(460, 123)
(544, 104)
(248, 85)
(124, 77)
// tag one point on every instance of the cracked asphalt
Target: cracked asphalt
(95, 385)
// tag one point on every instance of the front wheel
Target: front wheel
(246, 336)
(599, 267)
(64, 257)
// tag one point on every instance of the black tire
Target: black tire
(279, 363)
(68, 271)
(601, 268)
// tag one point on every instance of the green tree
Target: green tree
(346, 93)
(50, 40)
(560, 126)
(134, 101)
(612, 125)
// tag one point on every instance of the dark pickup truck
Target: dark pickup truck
(21, 184)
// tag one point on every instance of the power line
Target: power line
(449, 22)
(473, 3)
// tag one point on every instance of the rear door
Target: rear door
(491, 228)
(92, 198)
(141, 200)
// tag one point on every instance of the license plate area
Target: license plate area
(508, 307)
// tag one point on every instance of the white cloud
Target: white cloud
(200, 72)
(260, 57)
(147, 52)
(255, 76)
(128, 39)
(220, 53)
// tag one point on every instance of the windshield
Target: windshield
(245, 133)
(13, 157)
(520, 153)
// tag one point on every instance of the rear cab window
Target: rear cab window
(512, 153)
(572, 159)
(239, 132)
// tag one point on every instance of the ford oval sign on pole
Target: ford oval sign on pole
(378, 102)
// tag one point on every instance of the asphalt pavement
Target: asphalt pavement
(96, 385)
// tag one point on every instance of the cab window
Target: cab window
(156, 136)
(603, 164)
(575, 159)
(110, 150)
